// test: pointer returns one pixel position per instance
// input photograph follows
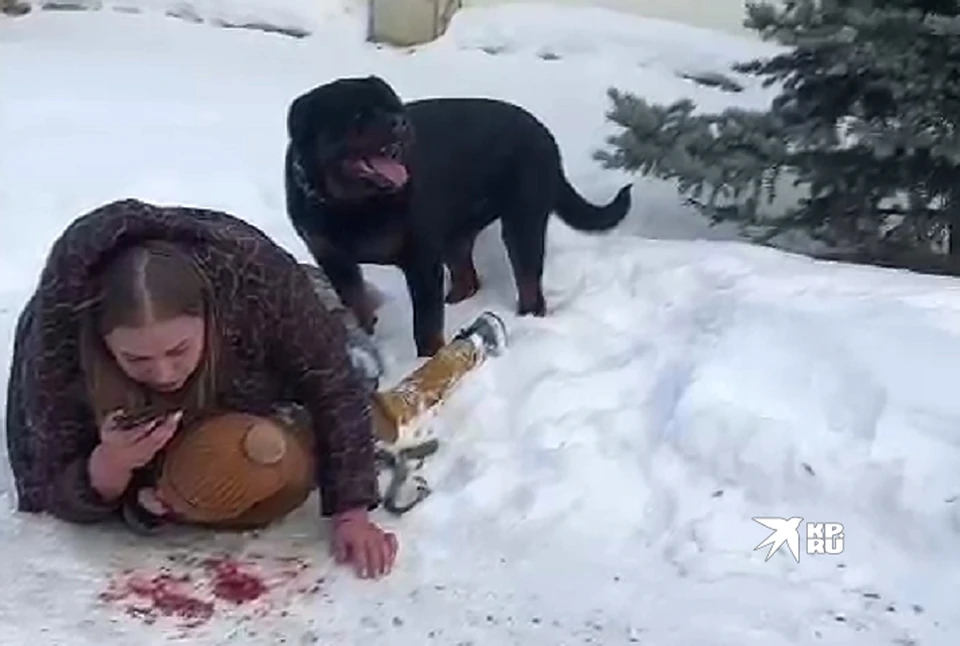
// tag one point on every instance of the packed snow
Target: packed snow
(597, 483)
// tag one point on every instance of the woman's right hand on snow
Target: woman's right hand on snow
(122, 450)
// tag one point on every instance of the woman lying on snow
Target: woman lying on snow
(190, 311)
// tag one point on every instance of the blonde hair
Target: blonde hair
(153, 281)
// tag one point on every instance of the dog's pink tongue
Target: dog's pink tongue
(393, 170)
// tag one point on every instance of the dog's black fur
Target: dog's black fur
(370, 179)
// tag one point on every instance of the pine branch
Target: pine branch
(867, 120)
(735, 152)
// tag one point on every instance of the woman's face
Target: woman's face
(162, 355)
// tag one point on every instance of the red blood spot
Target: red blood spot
(230, 583)
(193, 597)
(165, 596)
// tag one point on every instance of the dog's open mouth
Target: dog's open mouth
(383, 168)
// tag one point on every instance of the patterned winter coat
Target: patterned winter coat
(279, 344)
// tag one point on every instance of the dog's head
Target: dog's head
(351, 137)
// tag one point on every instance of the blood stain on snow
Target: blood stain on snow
(160, 595)
(232, 583)
(192, 595)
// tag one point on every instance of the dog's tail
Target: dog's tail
(584, 216)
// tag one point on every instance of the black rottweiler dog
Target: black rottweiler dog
(370, 179)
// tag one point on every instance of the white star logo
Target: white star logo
(785, 530)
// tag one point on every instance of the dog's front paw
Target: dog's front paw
(537, 308)
(364, 307)
(530, 300)
(366, 320)
(431, 346)
(461, 292)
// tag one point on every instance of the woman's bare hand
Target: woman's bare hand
(123, 450)
(361, 543)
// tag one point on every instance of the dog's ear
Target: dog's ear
(383, 86)
(298, 119)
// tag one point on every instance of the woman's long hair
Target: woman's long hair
(152, 281)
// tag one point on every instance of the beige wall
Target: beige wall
(410, 22)
(724, 15)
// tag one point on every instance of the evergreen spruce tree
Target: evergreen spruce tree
(866, 123)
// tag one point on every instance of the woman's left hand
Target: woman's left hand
(359, 541)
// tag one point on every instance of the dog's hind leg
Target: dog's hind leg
(464, 281)
(524, 234)
(526, 202)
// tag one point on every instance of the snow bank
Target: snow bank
(294, 18)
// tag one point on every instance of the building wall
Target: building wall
(724, 15)
(409, 22)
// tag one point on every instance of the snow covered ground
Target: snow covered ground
(597, 483)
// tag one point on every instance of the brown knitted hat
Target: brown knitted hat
(225, 465)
